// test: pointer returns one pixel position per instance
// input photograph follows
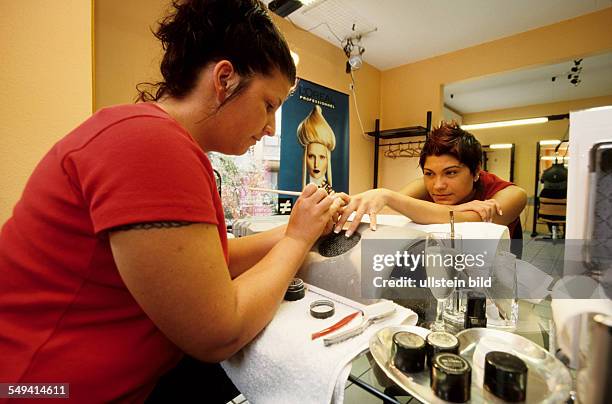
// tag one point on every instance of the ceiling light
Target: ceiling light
(355, 62)
(353, 51)
(605, 107)
(501, 146)
(501, 124)
(549, 142)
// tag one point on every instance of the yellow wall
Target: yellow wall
(46, 84)
(525, 137)
(127, 53)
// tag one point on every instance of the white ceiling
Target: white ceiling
(411, 30)
(397, 32)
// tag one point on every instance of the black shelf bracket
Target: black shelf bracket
(410, 131)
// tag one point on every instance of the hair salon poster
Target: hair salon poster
(314, 138)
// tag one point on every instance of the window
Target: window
(258, 168)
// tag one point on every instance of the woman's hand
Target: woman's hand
(340, 199)
(370, 202)
(311, 214)
(486, 209)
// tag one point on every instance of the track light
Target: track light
(353, 51)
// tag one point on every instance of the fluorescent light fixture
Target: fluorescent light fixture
(600, 108)
(501, 124)
(549, 142)
(553, 158)
(500, 146)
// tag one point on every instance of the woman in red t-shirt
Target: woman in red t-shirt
(453, 180)
(116, 259)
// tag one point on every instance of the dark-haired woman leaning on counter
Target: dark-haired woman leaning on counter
(452, 180)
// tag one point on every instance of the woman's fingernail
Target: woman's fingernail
(337, 230)
(501, 213)
(348, 233)
(374, 228)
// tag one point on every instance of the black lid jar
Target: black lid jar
(408, 352)
(505, 376)
(451, 377)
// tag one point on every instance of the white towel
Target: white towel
(283, 365)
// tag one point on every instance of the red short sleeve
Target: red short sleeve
(143, 169)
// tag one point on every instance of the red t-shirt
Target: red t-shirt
(488, 185)
(65, 314)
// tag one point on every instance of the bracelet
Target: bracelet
(322, 308)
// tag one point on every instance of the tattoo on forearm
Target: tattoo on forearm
(151, 225)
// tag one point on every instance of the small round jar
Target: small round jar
(296, 290)
(438, 342)
(505, 376)
(409, 352)
(451, 377)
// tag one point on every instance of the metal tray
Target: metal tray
(548, 380)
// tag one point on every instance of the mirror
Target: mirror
(499, 159)
(550, 92)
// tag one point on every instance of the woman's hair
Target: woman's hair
(315, 129)
(450, 139)
(199, 32)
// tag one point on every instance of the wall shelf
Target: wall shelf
(410, 131)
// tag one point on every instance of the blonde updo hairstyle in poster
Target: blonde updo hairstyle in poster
(313, 133)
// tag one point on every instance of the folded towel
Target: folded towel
(284, 365)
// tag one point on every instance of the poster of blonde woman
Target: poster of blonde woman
(318, 140)
(314, 138)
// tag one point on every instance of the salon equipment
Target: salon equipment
(476, 310)
(334, 262)
(438, 342)
(336, 326)
(367, 322)
(505, 376)
(409, 352)
(324, 185)
(548, 380)
(283, 365)
(296, 290)
(322, 309)
(275, 191)
(451, 377)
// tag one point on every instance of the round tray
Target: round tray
(548, 380)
